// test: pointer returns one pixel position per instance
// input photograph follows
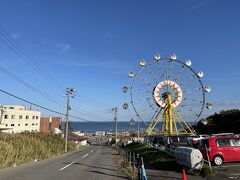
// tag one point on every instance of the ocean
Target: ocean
(92, 127)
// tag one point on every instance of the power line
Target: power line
(94, 115)
(62, 104)
(100, 108)
(90, 103)
(31, 87)
(97, 104)
(89, 115)
(42, 107)
(45, 108)
(24, 55)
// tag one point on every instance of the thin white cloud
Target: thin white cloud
(108, 34)
(63, 47)
(93, 64)
(227, 103)
(121, 72)
(15, 36)
(198, 5)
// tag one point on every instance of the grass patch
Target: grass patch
(154, 158)
(25, 147)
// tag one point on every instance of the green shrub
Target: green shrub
(206, 171)
(153, 157)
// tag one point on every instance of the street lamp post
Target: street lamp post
(138, 128)
(69, 94)
(114, 110)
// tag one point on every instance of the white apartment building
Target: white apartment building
(100, 133)
(16, 119)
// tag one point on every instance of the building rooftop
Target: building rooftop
(17, 107)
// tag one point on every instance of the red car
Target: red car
(221, 148)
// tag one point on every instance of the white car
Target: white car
(194, 141)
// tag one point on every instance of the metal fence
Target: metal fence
(135, 161)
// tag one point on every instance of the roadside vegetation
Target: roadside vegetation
(223, 122)
(16, 149)
(154, 158)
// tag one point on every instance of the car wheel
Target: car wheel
(218, 160)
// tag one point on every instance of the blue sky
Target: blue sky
(92, 45)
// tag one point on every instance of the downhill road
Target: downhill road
(94, 162)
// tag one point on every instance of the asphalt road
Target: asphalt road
(228, 171)
(225, 172)
(94, 162)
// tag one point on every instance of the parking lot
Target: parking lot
(227, 171)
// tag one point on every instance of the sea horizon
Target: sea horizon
(122, 126)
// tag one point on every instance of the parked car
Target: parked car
(194, 140)
(221, 148)
(178, 140)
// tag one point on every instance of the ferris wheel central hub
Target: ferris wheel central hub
(165, 95)
(173, 89)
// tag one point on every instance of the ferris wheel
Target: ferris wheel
(169, 91)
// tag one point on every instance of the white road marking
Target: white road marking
(73, 162)
(67, 166)
(232, 165)
(85, 156)
(234, 174)
(91, 151)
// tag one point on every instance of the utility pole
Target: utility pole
(114, 110)
(2, 113)
(138, 129)
(69, 94)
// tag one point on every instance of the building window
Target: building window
(6, 125)
(12, 124)
(12, 116)
(5, 116)
(36, 124)
(33, 117)
(26, 124)
(32, 124)
(36, 117)
(20, 116)
(27, 117)
(18, 124)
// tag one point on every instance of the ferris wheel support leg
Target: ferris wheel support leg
(154, 122)
(166, 122)
(170, 115)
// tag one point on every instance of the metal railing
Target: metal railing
(135, 161)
